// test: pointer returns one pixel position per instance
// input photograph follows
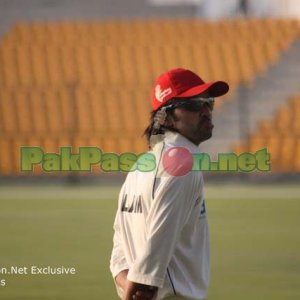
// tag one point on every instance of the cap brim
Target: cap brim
(215, 89)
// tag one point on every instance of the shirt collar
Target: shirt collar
(175, 139)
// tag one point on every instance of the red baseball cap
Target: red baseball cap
(182, 83)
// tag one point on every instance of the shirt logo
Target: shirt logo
(203, 210)
(161, 94)
(134, 207)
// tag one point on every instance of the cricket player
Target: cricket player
(161, 245)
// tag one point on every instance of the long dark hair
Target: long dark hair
(151, 131)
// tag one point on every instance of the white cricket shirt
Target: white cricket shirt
(161, 233)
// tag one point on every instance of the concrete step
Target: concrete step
(240, 116)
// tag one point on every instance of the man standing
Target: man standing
(161, 250)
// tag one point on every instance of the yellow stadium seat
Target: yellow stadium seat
(53, 111)
(274, 144)
(95, 141)
(141, 99)
(185, 58)
(9, 125)
(68, 33)
(246, 71)
(38, 113)
(231, 71)
(24, 64)
(169, 56)
(266, 128)
(99, 117)
(54, 65)
(271, 51)
(66, 140)
(17, 143)
(82, 110)
(83, 62)
(91, 80)
(126, 144)
(31, 141)
(287, 153)
(39, 32)
(295, 116)
(140, 145)
(69, 67)
(24, 115)
(239, 149)
(227, 29)
(22, 32)
(130, 120)
(114, 76)
(143, 75)
(110, 144)
(99, 66)
(114, 114)
(9, 74)
(50, 144)
(156, 60)
(111, 29)
(256, 143)
(6, 165)
(39, 66)
(283, 118)
(281, 136)
(296, 161)
(127, 66)
(216, 61)
(66, 101)
(258, 56)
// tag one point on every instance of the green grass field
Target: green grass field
(255, 234)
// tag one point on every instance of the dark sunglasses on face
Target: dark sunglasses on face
(193, 104)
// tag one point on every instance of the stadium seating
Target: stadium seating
(280, 135)
(89, 82)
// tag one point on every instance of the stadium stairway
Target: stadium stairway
(251, 104)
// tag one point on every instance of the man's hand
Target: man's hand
(121, 279)
(138, 291)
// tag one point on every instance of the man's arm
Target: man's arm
(138, 291)
(118, 261)
(134, 290)
(121, 279)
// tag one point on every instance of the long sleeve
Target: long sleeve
(118, 261)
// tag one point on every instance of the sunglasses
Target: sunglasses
(193, 104)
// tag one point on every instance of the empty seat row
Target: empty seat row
(11, 158)
(77, 110)
(280, 135)
(161, 31)
(42, 66)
